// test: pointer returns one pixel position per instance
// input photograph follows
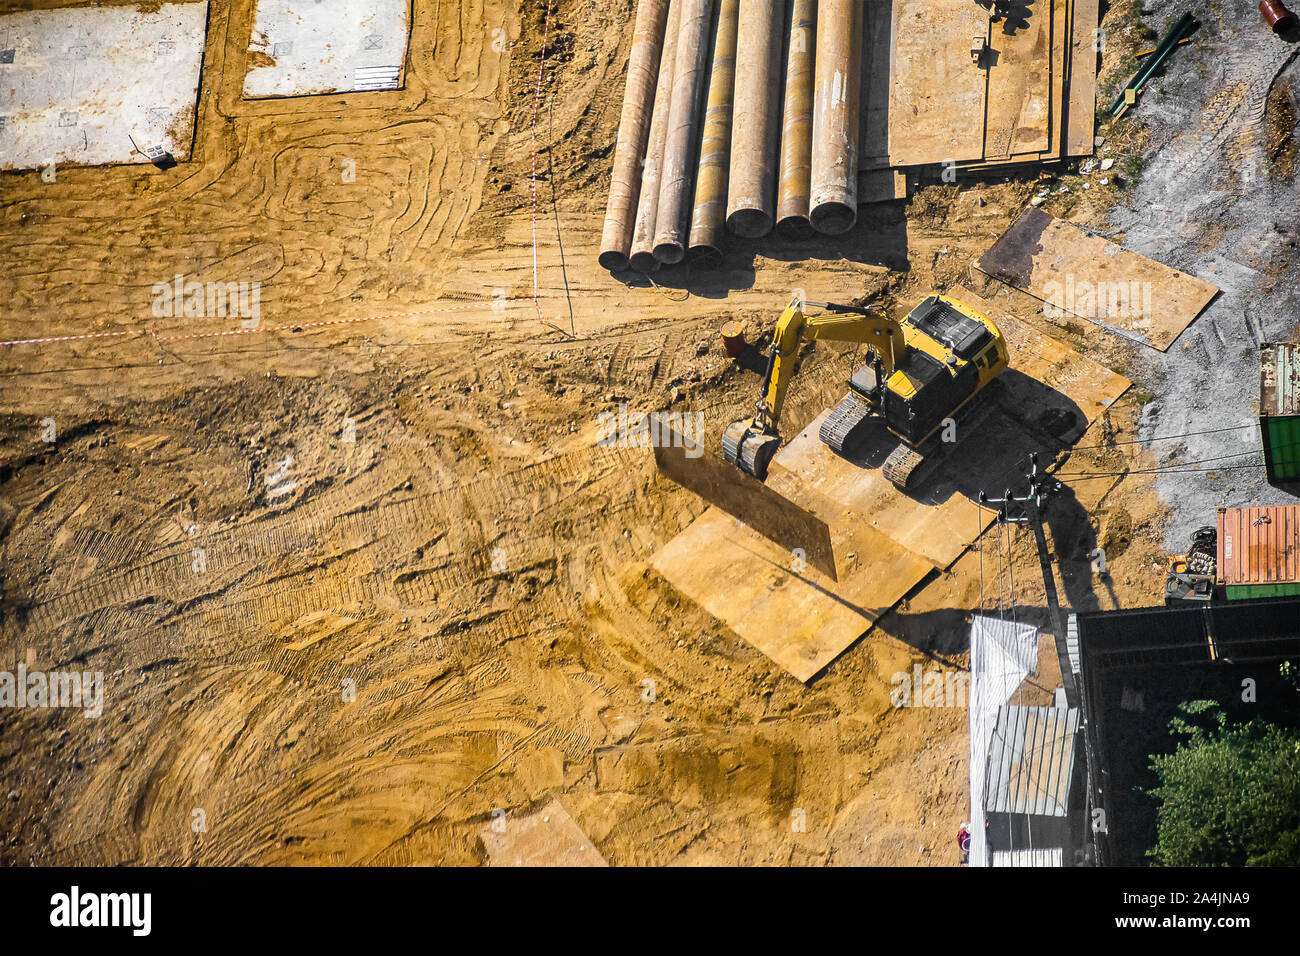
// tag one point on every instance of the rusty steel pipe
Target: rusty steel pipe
(642, 258)
(751, 202)
(676, 185)
(1276, 15)
(708, 218)
(837, 92)
(633, 130)
(792, 204)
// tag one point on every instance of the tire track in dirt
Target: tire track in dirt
(385, 530)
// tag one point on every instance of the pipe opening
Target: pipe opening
(669, 253)
(708, 257)
(644, 262)
(613, 260)
(833, 218)
(750, 223)
(795, 227)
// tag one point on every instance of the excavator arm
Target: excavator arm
(845, 323)
(751, 443)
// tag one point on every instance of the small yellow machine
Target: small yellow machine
(919, 372)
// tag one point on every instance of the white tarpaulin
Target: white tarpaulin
(1002, 655)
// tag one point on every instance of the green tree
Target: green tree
(1229, 794)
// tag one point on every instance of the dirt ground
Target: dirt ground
(241, 530)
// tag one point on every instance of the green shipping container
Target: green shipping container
(1279, 410)
(1246, 592)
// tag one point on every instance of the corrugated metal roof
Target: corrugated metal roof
(1046, 856)
(1279, 379)
(1259, 545)
(1031, 760)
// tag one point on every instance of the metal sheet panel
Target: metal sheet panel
(1078, 273)
(1031, 761)
(1259, 545)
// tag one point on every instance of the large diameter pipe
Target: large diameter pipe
(751, 203)
(673, 218)
(837, 92)
(792, 203)
(633, 131)
(709, 215)
(642, 258)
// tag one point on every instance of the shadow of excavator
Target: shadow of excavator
(943, 634)
(994, 437)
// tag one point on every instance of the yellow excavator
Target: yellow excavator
(919, 372)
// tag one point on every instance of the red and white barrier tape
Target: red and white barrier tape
(537, 107)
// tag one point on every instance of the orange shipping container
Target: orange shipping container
(1259, 550)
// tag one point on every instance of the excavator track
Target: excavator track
(844, 425)
(901, 466)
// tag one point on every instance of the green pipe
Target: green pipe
(1167, 46)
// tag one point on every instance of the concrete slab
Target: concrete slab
(546, 837)
(1087, 276)
(98, 85)
(304, 47)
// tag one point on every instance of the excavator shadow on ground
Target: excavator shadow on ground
(943, 634)
(1015, 418)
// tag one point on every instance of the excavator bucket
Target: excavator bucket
(748, 448)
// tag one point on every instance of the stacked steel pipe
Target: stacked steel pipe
(675, 192)
(738, 116)
(708, 220)
(751, 200)
(633, 129)
(642, 258)
(796, 126)
(837, 94)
